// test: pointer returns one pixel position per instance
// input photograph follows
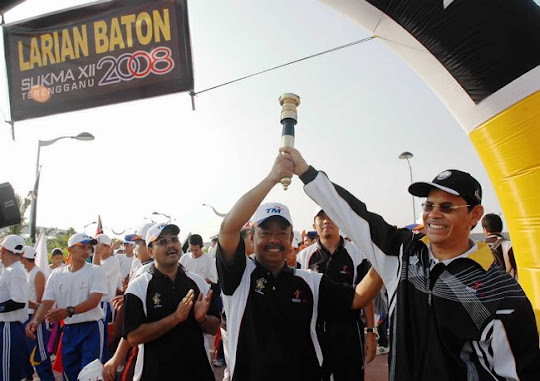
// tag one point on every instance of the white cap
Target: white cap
(297, 239)
(104, 239)
(29, 252)
(271, 209)
(91, 372)
(155, 231)
(80, 238)
(14, 243)
(316, 211)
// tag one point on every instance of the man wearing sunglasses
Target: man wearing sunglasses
(455, 314)
(167, 310)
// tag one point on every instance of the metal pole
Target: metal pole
(413, 207)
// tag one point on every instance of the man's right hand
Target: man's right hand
(31, 329)
(283, 167)
(182, 311)
(300, 165)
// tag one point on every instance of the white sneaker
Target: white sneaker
(382, 350)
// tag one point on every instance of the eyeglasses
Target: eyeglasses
(445, 207)
(165, 241)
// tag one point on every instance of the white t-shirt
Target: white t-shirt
(32, 295)
(205, 265)
(13, 285)
(125, 264)
(68, 288)
(142, 269)
(111, 266)
(135, 265)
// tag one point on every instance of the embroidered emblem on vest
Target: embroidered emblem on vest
(260, 285)
(156, 299)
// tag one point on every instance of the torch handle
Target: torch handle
(289, 102)
(287, 140)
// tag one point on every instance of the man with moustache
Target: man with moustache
(167, 310)
(272, 308)
(77, 290)
(455, 314)
(343, 340)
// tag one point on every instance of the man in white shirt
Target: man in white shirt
(125, 261)
(199, 262)
(13, 310)
(37, 348)
(77, 290)
(103, 257)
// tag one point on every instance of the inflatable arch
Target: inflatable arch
(482, 58)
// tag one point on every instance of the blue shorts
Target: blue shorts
(13, 352)
(82, 343)
(37, 350)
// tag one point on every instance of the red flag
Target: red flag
(99, 229)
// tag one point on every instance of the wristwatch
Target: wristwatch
(70, 310)
(370, 330)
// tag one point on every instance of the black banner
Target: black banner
(96, 55)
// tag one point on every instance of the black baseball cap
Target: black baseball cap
(454, 182)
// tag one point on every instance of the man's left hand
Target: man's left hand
(202, 305)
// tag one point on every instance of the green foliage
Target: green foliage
(60, 241)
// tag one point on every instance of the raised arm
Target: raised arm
(244, 208)
(367, 289)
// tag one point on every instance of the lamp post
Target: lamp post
(407, 155)
(88, 224)
(84, 136)
(215, 211)
(164, 215)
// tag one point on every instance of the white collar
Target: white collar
(473, 246)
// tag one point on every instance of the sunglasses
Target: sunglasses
(445, 207)
(165, 241)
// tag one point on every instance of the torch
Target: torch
(288, 102)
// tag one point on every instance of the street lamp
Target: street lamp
(215, 211)
(84, 136)
(164, 215)
(407, 155)
(88, 224)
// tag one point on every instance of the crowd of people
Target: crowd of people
(282, 306)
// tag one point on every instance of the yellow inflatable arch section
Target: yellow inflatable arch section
(482, 58)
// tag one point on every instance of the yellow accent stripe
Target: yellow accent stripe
(509, 146)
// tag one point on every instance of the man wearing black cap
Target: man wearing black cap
(455, 314)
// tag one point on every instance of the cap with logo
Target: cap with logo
(141, 233)
(104, 239)
(271, 209)
(29, 252)
(13, 243)
(80, 239)
(155, 231)
(454, 182)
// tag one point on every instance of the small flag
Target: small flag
(42, 259)
(99, 228)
